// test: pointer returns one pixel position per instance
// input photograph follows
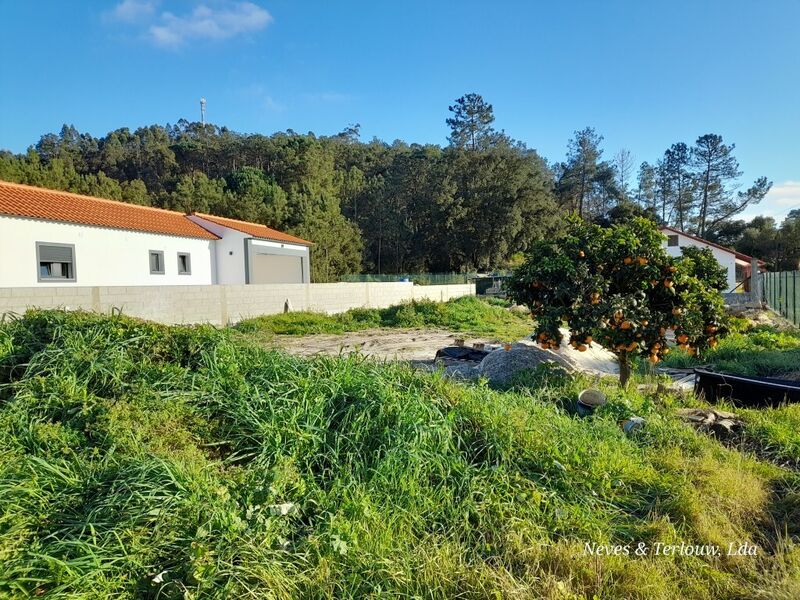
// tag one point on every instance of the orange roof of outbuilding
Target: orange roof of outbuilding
(53, 205)
(254, 229)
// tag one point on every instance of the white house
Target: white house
(50, 237)
(736, 263)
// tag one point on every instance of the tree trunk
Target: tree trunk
(624, 369)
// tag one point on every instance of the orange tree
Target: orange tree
(619, 287)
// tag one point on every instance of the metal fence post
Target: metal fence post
(786, 294)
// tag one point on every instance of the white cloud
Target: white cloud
(777, 203)
(132, 11)
(204, 22)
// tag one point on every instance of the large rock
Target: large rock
(499, 366)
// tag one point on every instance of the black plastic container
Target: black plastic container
(745, 391)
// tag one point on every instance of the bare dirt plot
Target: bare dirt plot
(420, 345)
(384, 344)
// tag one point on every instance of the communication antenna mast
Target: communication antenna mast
(202, 111)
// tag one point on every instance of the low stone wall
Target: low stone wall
(740, 299)
(224, 304)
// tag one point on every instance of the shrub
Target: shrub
(618, 286)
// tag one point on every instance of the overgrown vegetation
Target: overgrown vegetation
(469, 314)
(763, 351)
(139, 460)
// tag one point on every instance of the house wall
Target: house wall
(224, 304)
(725, 258)
(103, 256)
(229, 251)
(235, 251)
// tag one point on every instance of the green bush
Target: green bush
(618, 286)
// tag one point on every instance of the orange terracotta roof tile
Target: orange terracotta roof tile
(40, 203)
(254, 229)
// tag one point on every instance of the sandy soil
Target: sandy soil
(420, 346)
(395, 344)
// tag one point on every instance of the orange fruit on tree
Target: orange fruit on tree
(581, 348)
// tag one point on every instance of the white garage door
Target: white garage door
(276, 268)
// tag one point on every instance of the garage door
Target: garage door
(276, 268)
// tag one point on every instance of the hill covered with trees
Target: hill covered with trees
(390, 208)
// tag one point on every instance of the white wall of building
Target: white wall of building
(725, 258)
(229, 251)
(103, 256)
(232, 264)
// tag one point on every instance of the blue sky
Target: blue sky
(644, 74)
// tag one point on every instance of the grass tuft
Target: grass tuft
(471, 315)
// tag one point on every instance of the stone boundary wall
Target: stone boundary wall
(224, 304)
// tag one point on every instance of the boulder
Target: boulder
(499, 366)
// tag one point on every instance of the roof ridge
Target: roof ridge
(199, 214)
(216, 219)
(86, 196)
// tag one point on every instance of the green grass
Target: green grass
(775, 432)
(470, 315)
(142, 461)
(762, 351)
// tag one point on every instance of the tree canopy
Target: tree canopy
(372, 206)
(618, 286)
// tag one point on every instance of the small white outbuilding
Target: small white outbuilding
(54, 238)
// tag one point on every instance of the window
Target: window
(156, 262)
(184, 263)
(56, 262)
(672, 240)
